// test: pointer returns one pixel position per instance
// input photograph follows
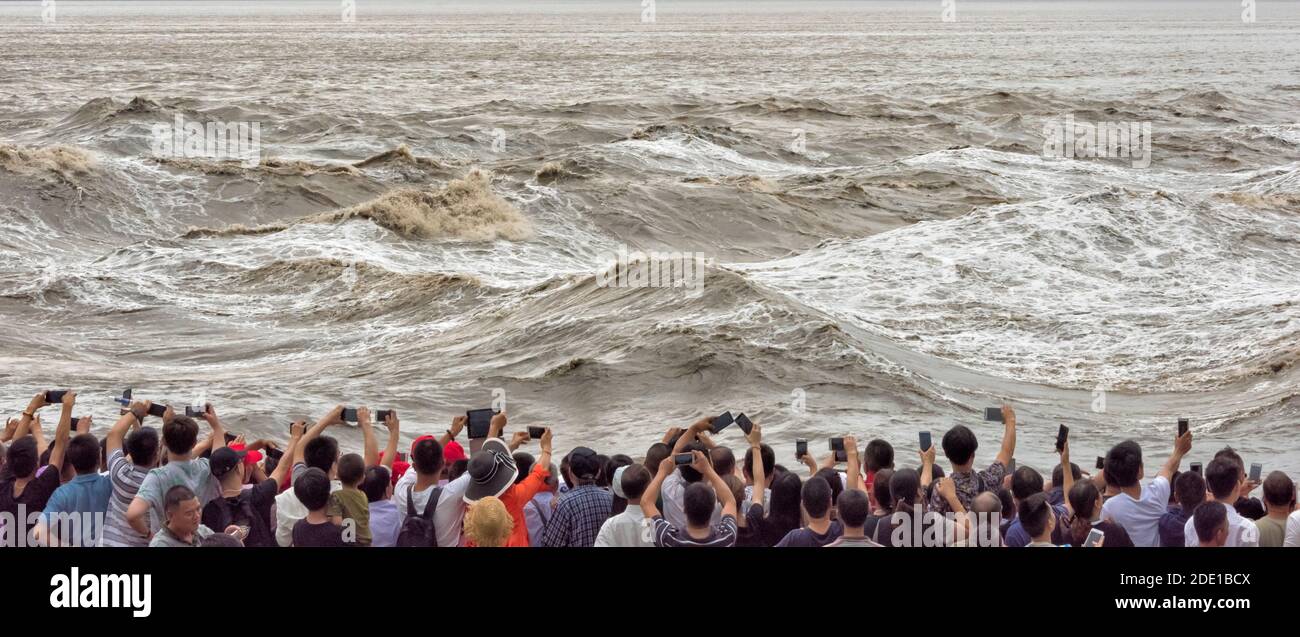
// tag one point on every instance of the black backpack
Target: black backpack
(417, 530)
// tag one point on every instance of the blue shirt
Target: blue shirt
(384, 524)
(87, 497)
(578, 517)
(1171, 527)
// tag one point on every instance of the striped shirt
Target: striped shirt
(126, 478)
(722, 534)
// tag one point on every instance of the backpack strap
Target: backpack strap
(431, 506)
(410, 500)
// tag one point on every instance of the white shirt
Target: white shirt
(1140, 518)
(449, 516)
(1241, 532)
(627, 529)
(674, 496)
(1292, 530)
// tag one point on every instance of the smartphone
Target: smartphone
(1094, 536)
(349, 414)
(800, 448)
(841, 456)
(925, 441)
(993, 414)
(1182, 426)
(1062, 435)
(536, 432)
(1196, 468)
(479, 422)
(722, 422)
(837, 444)
(1256, 469)
(195, 412)
(683, 458)
(382, 414)
(274, 454)
(744, 423)
(55, 396)
(1011, 466)
(157, 410)
(1101, 462)
(75, 420)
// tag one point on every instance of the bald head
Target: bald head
(986, 502)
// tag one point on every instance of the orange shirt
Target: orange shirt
(518, 496)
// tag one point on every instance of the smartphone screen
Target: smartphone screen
(925, 441)
(382, 414)
(479, 422)
(993, 414)
(194, 412)
(1101, 462)
(841, 456)
(683, 458)
(744, 423)
(723, 421)
(1062, 435)
(1011, 467)
(157, 410)
(837, 444)
(800, 449)
(536, 432)
(1256, 470)
(55, 396)
(1094, 536)
(1196, 468)
(75, 420)
(1182, 426)
(349, 414)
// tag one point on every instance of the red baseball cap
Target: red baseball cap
(250, 458)
(453, 452)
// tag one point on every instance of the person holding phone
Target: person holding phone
(1135, 507)
(26, 483)
(699, 502)
(180, 440)
(674, 486)
(1225, 478)
(130, 458)
(959, 446)
(492, 472)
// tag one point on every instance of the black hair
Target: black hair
(1058, 475)
(458, 468)
(654, 456)
(853, 507)
(959, 444)
(21, 457)
(1222, 477)
(766, 456)
(879, 455)
(723, 460)
(689, 474)
(175, 496)
(1279, 490)
(524, 461)
(142, 446)
(1190, 488)
(312, 489)
(1209, 518)
(180, 435)
(1008, 503)
(1034, 512)
(634, 481)
(566, 473)
(83, 453)
(1083, 498)
(1026, 482)
(787, 491)
(375, 486)
(1228, 453)
(352, 469)
(904, 488)
(832, 478)
(698, 500)
(880, 488)
(612, 464)
(816, 496)
(426, 456)
(604, 474)
(222, 540)
(321, 452)
(1123, 464)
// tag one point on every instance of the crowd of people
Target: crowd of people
(142, 485)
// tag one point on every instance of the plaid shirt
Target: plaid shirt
(578, 517)
(970, 484)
